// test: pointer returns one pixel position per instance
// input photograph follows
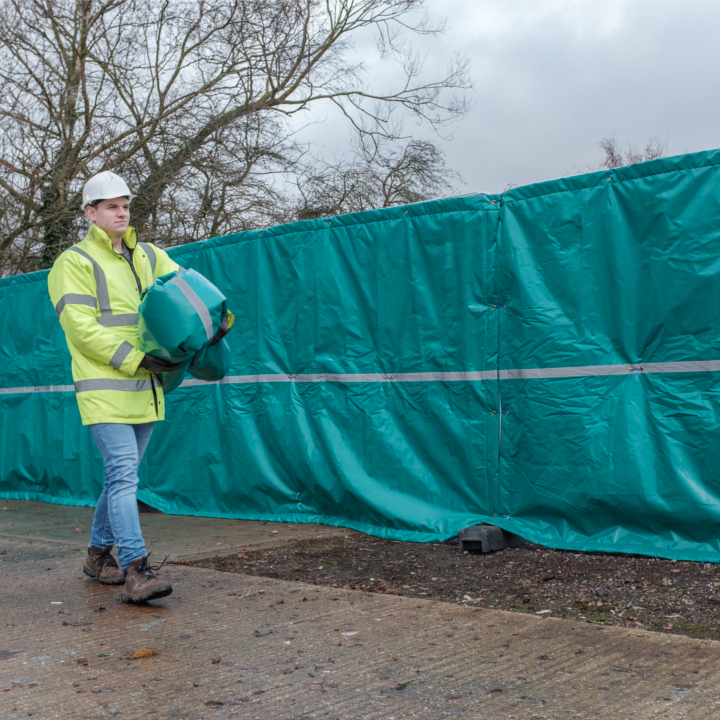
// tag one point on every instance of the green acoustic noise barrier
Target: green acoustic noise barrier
(547, 360)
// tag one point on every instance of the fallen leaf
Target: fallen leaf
(143, 652)
(82, 661)
(215, 661)
(213, 702)
(261, 592)
(494, 690)
(241, 555)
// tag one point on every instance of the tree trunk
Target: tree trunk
(57, 225)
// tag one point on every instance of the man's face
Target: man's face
(112, 216)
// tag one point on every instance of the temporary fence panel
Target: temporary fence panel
(545, 360)
(609, 359)
(351, 399)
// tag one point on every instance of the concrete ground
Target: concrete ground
(179, 537)
(237, 646)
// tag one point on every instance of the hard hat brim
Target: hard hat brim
(100, 199)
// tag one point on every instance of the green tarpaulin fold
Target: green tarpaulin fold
(546, 360)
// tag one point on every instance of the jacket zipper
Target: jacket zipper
(132, 267)
(139, 287)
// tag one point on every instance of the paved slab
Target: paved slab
(237, 646)
(180, 537)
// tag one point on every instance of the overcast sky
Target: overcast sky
(552, 78)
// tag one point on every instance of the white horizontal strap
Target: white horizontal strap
(693, 366)
(238, 380)
(472, 376)
(36, 389)
(352, 378)
(564, 372)
(689, 366)
(339, 378)
(686, 366)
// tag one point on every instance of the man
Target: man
(95, 288)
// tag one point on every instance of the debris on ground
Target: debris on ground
(626, 590)
(143, 652)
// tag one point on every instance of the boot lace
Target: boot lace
(105, 560)
(146, 572)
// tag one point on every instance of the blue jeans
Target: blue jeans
(116, 519)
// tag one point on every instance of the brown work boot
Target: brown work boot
(100, 564)
(142, 585)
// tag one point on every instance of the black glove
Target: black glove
(222, 331)
(156, 364)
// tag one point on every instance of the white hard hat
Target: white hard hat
(105, 186)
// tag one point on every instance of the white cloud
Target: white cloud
(553, 78)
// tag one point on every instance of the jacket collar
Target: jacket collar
(100, 237)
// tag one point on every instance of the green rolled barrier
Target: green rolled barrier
(180, 313)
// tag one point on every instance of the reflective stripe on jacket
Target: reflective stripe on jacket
(95, 294)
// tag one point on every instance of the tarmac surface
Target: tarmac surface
(238, 646)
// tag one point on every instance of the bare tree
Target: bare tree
(617, 155)
(381, 173)
(190, 100)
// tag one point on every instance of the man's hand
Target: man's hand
(156, 364)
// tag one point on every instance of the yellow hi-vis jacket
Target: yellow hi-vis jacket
(95, 294)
